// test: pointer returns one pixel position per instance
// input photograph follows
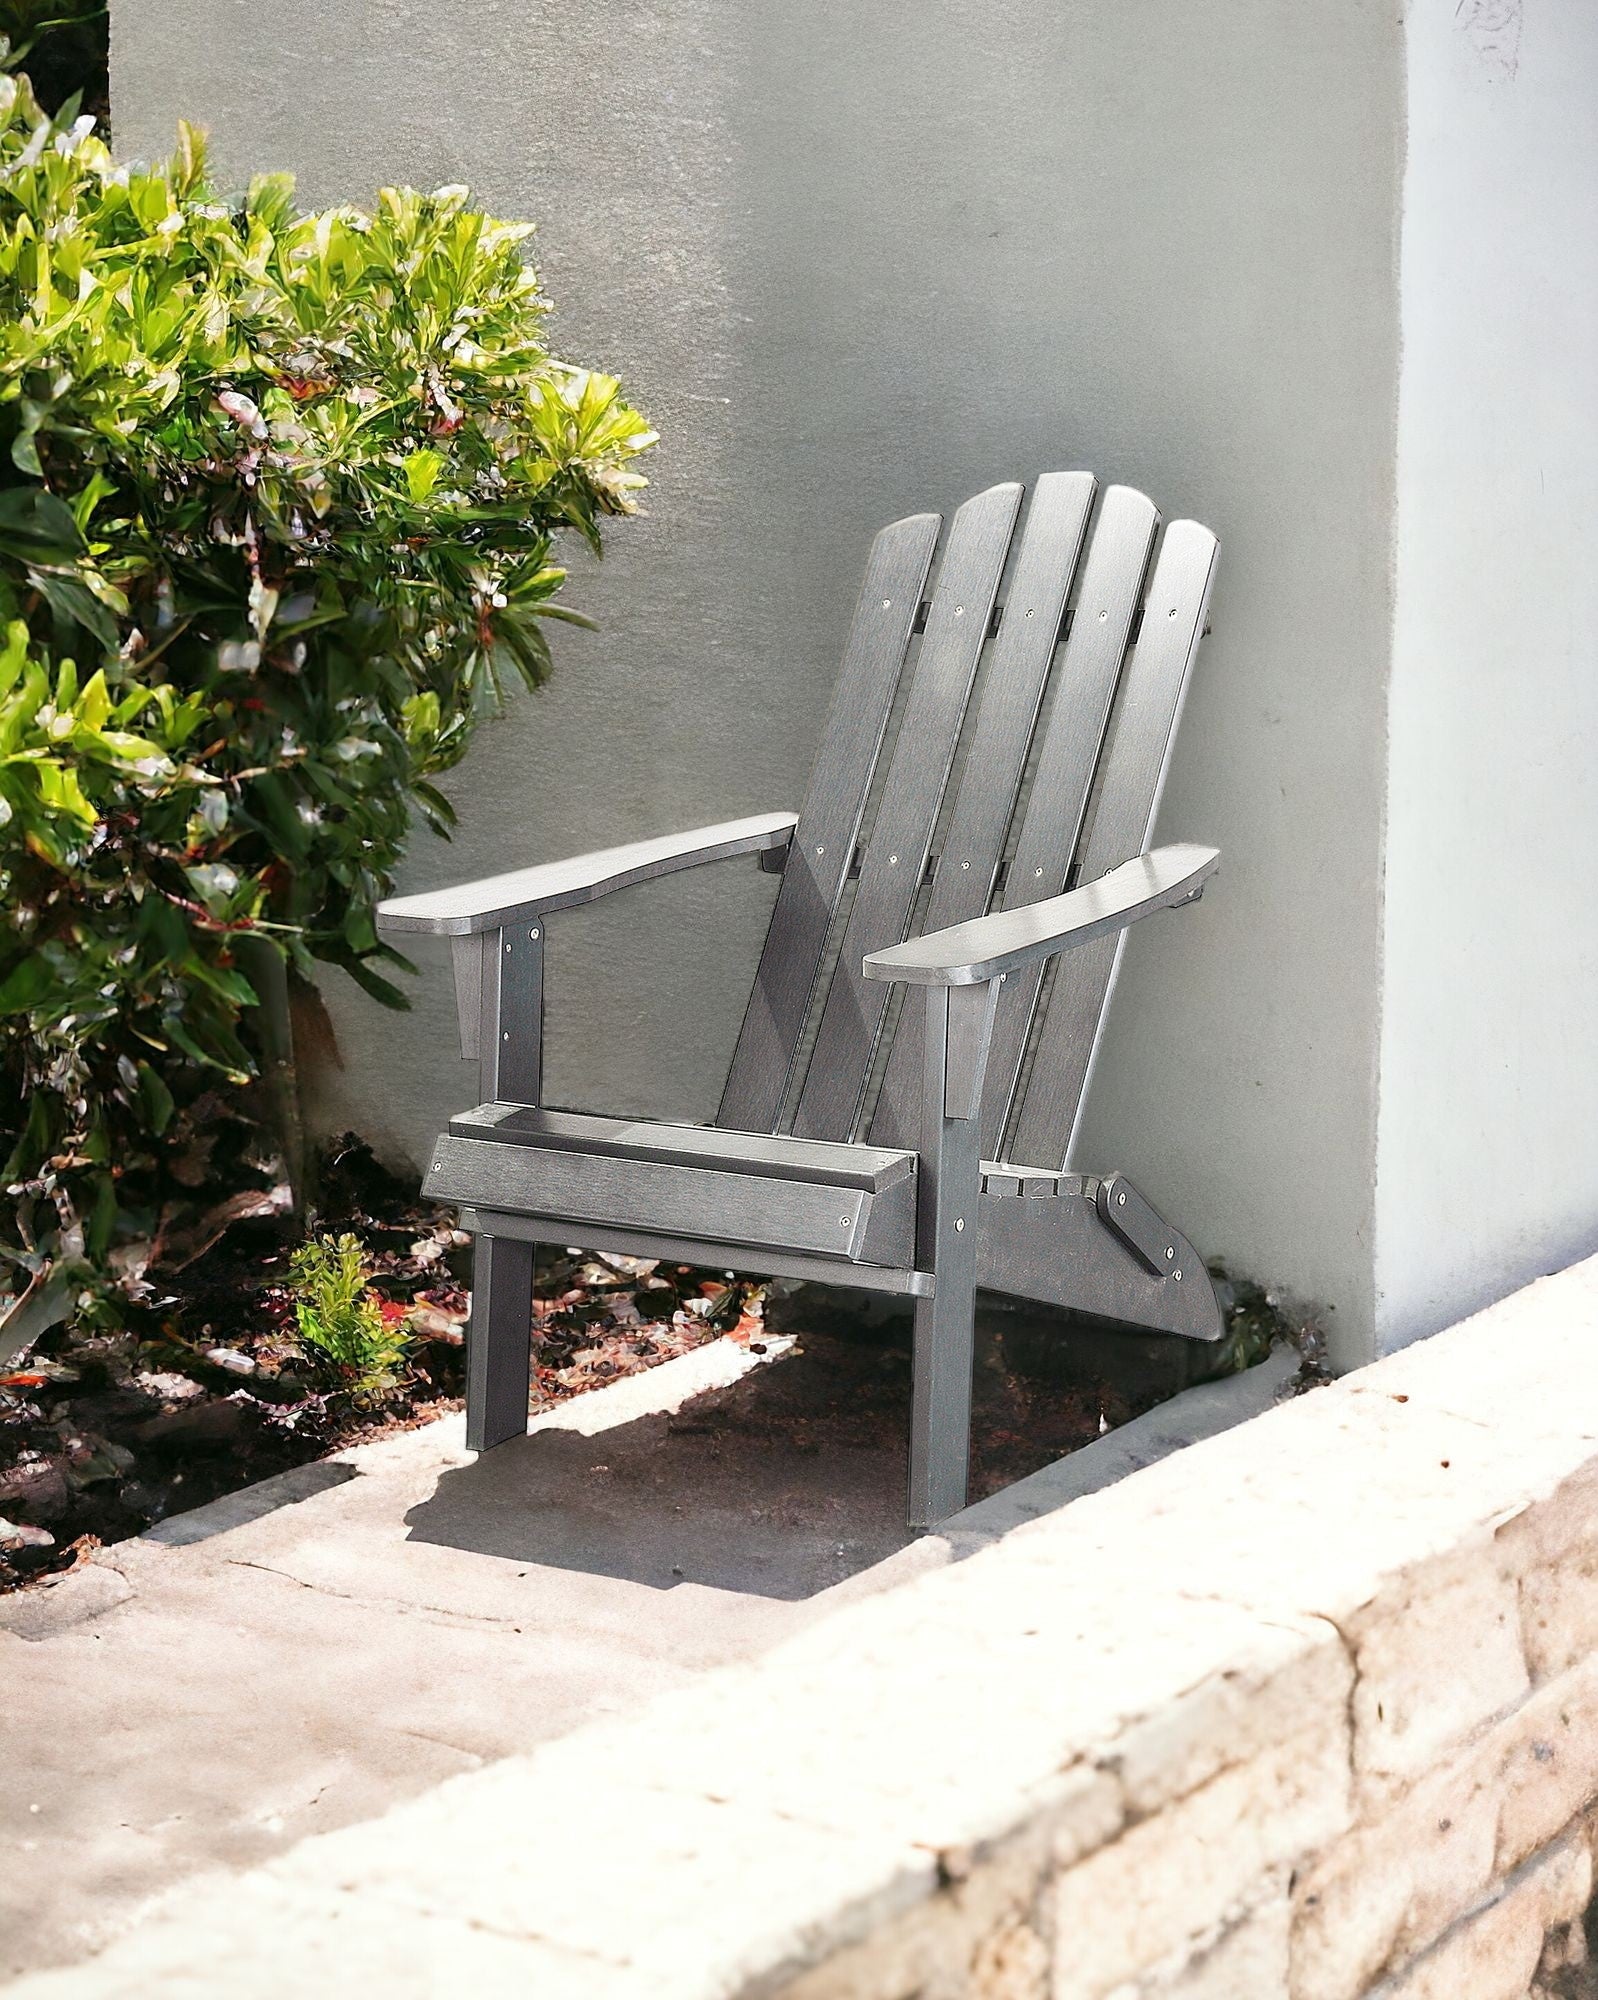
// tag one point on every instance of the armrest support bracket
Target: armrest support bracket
(509, 1012)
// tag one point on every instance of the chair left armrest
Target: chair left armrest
(988, 947)
(497, 900)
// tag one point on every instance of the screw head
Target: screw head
(1177, 1276)
(532, 934)
(1029, 611)
(819, 852)
(893, 860)
(966, 865)
(959, 1222)
(1172, 612)
(506, 1036)
(1037, 871)
(843, 1222)
(887, 604)
(507, 947)
(1104, 617)
(1120, 1200)
(959, 611)
(1170, 1249)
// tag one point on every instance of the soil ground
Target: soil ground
(208, 1389)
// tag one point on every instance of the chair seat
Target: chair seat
(853, 1203)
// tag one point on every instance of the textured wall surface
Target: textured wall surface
(858, 261)
(1488, 1155)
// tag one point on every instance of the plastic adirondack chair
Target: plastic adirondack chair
(937, 1163)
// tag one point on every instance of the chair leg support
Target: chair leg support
(940, 1413)
(948, 1195)
(499, 1341)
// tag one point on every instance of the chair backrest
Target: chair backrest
(1060, 749)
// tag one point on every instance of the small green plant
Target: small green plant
(339, 1320)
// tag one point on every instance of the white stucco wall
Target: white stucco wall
(1488, 1129)
(858, 261)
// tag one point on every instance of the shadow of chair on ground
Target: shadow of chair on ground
(708, 1495)
(783, 1484)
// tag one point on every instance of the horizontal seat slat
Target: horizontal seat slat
(718, 1203)
(870, 1168)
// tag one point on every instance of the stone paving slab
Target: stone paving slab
(301, 1654)
(1126, 1751)
(312, 1651)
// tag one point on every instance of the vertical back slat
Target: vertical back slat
(824, 840)
(973, 841)
(1112, 584)
(901, 838)
(1140, 738)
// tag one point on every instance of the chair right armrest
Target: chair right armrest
(1003, 941)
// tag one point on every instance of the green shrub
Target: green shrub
(66, 45)
(340, 1322)
(279, 498)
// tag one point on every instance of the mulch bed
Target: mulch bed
(208, 1389)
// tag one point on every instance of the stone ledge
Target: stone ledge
(1094, 1752)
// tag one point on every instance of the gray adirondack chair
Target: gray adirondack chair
(924, 1156)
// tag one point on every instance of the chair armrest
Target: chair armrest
(559, 885)
(1005, 940)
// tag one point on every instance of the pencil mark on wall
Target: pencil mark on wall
(1492, 27)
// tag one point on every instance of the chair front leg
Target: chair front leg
(508, 1002)
(949, 1182)
(499, 1341)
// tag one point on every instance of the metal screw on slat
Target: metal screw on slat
(893, 860)
(959, 611)
(1120, 1200)
(843, 1222)
(1103, 617)
(1170, 1249)
(507, 947)
(1177, 1275)
(887, 604)
(532, 934)
(1172, 612)
(819, 852)
(959, 1222)
(965, 864)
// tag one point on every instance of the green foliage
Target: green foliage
(340, 1322)
(279, 500)
(67, 47)
(1258, 1321)
(25, 24)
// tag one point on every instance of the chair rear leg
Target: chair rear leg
(499, 1341)
(940, 1411)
